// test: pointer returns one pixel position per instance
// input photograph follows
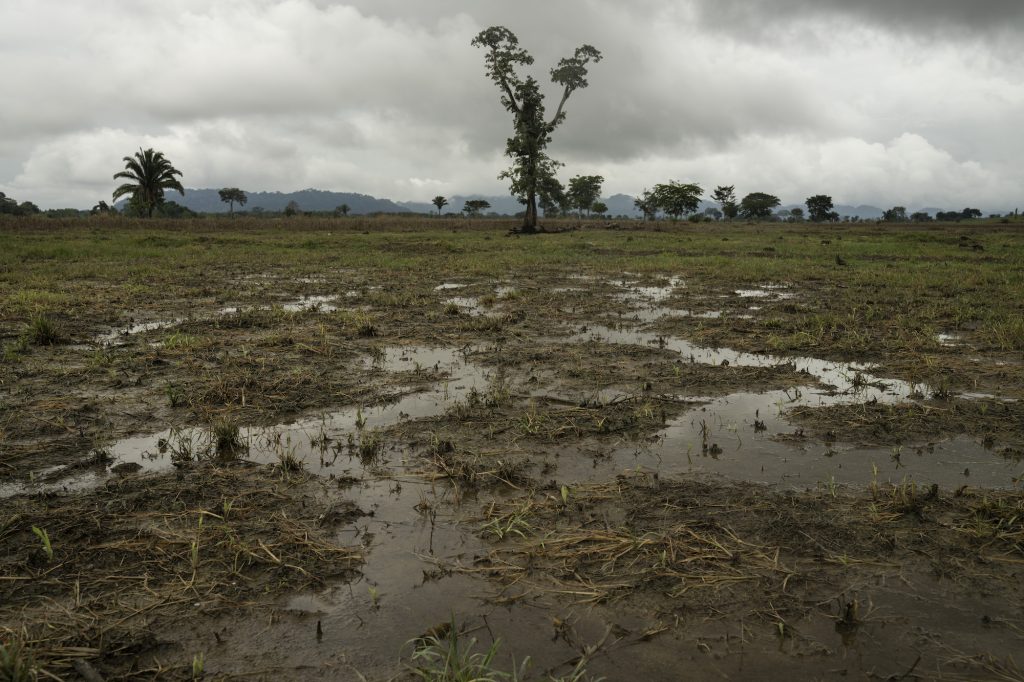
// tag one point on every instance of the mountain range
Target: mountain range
(208, 201)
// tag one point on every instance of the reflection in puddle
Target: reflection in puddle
(319, 303)
(312, 303)
(466, 304)
(652, 294)
(648, 315)
(113, 337)
(747, 437)
(774, 291)
(318, 443)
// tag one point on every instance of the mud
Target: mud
(617, 473)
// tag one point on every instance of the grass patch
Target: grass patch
(43, 331)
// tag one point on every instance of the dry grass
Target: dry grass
(712, 545)
(144, 552)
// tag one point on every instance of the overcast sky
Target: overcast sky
(912, 102)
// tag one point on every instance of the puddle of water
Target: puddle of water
(447, 286)
(320, 443)
(323, 444)
(749, 438)
(846, 378)
(654, 314)
(467, 304)
(766, 291)
(323, 304)
(121, 334)
(949, 339)
(752, 432)
(651, 294)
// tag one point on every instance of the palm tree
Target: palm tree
(152, 174)
(440, 202)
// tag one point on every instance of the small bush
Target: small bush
(42, 331)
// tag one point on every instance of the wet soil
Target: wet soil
(609, 471)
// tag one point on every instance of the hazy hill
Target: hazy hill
(503, 205)
(208, 201)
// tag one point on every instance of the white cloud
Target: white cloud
(907, 170)
(388, 98)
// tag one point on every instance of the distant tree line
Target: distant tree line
(9, 206)
(150, 174)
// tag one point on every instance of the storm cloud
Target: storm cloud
(917, 102)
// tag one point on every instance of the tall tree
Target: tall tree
(819, 208)
(232, 196)
(151, 173)
(531, 166)
(584, 191)
(342, 210)
(725, 195)
(896, 214)
(758, 205)
(8, 205)
(551, 196)
(472, 207)
(440, 202)
(599, 207)
(646, 204)
(677, 199)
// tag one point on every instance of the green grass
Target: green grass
(42, 331)
(905, 282)
(16, 664)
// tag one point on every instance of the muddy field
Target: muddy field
(385, 449)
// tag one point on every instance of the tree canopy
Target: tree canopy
(232, 196)
(725, 195)
(439, 202)
(677, 199)
(584, 191)
(819, 208)
(473, 207)
(151, 173)
(646, 204)
(758, 205)
(531, 167)
(896, 214)
(10, 206)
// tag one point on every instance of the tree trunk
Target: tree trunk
(530, 219)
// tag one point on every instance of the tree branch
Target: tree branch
(558, 113)
(508, 91)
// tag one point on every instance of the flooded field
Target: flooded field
(350, 449)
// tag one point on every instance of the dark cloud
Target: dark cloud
(916, 98)
(948, 18)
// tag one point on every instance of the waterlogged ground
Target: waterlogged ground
(330, 450)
